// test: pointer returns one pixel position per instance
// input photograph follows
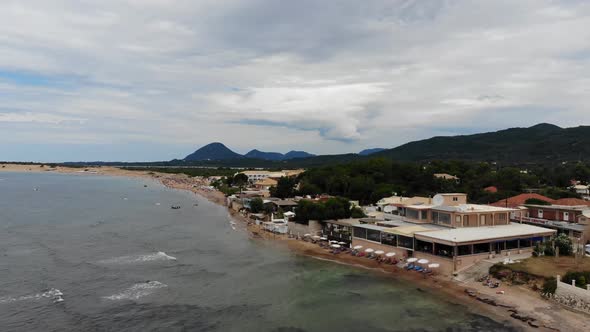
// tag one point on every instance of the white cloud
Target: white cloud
(317, 75)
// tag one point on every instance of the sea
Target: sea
(98, 253)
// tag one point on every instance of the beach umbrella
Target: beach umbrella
(324, 238)
(332, 241)
(335, 246)
(306, 235)
(342, 243)
(369, 250)
(316, 237)
(423, 261)
(379, 252)
(357, 247)
(433, 266)
(411, 260)
(390, 254)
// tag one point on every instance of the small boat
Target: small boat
(175, 207)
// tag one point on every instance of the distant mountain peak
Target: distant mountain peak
(545, 126)
(368, 152)
(213, 151)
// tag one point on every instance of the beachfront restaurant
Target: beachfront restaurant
(339, 230)
(459, 248)
(389, 239)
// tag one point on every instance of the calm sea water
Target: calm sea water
(125, 261)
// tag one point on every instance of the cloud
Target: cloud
(323, 76)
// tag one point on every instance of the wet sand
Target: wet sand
(550, 316)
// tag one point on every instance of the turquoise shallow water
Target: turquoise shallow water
(125, 261)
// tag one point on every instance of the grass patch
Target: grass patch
(548, 267)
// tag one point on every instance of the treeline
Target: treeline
(333, 208)
(370, 180)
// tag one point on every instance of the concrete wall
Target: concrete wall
(572, 296)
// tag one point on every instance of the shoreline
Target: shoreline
(549, 316)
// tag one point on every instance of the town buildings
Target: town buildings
(449, 231)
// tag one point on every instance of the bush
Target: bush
(580, 278)
(550, 285)
(564, 243)
(549, 251)
(256, 205)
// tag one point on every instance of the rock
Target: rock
(533, 324)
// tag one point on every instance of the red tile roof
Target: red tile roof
(518, 200)
(571, 202)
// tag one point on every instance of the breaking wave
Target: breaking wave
(159, 256)
(53, 294)
(137, 291)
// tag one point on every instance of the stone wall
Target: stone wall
(572, 296)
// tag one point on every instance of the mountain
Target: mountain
(542, 143)
(297, 154)
(213, 151)
(367, 152)
(256, 154)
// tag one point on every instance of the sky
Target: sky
(146, 80)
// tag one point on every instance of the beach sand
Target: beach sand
(550, 316)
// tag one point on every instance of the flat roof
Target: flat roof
(408, 230)
(372, 227)
(420, 206)
(487, 233)
(466, 208)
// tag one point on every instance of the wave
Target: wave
(137, 291)
(53, 294)
(134, 259)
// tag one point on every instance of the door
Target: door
(540, 214)
(566, 216)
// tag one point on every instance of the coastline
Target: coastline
(550, 316)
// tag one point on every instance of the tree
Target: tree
(564, 243)
(240, 180)
(256, 205)
(285, 188)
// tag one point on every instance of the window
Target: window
(424, 214)
(373, 235)
(464, 250)
(406, 242)
(455, 199)
(424, 246)
(412, 214)
(481, 248)
(441, 218)
(502, 217)
(566, 216)
(513, 244)
(389, 239)
(540, 213)
(360, 232)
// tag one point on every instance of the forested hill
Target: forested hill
(543, 143)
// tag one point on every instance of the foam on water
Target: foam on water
(55, 294)
(134, 259)
(137, 291)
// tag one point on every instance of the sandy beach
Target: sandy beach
(548, 316)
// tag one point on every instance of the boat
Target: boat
(175, 207)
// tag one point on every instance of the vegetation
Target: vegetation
(190, 171)
(548, 267)
(285, 188)
(333, 208)
(256, 205)
(564, 243)
(540, 144)
(370, 180)
(581, 277)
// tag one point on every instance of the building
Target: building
(582, 190)
(391, 204)
(445, 176)
(257, 175)
(520, 200)
(563, 218)
(451, 232)
(265, 184)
